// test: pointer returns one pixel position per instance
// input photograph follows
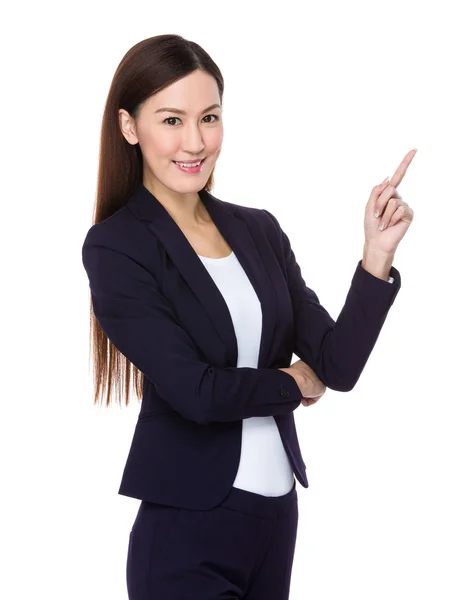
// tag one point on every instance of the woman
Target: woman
(203, 302)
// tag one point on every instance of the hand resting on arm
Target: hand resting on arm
(312, 389)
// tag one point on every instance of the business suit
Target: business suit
(159, 306)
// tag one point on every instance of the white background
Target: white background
(337, 93)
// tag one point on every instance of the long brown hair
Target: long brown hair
(146, 68)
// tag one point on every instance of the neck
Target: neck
(186, 209)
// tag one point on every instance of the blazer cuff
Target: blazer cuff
(377, 291)
(288, 387)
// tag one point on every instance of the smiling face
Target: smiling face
(189, 129)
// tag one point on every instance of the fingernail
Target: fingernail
(376, 213)
(381, 226)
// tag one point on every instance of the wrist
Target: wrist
(377, 262)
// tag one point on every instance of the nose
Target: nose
(192, 141)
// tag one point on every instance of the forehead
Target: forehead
(192, 93)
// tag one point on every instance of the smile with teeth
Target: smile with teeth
(189, 164)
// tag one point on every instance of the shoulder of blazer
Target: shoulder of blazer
(125, 232)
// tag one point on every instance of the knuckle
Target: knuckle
(392, 203)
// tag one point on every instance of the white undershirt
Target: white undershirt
(264, 467)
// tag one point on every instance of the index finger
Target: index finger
(402, 168)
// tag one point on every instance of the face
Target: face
(188, 130)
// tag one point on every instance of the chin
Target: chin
(191, 187)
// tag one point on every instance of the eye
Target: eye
(170, 119)
(216, 117)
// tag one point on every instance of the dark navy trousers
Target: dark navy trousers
(243, 548)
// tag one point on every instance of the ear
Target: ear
(127, 126)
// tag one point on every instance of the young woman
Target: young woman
(201, 303)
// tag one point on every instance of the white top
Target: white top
(264, 467)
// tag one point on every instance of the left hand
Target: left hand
(304, 368)
(396, 214)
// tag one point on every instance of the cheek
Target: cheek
(157, 145)
(213, 141)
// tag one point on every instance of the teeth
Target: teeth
(189, 164)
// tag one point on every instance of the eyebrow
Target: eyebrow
(182, 112)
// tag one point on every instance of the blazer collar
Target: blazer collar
(227, 218)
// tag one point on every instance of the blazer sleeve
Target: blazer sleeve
(337, 351)
(141, 324)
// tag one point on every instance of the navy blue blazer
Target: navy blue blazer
(159, 306)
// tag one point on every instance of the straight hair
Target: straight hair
(148, 67)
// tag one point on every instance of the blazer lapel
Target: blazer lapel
(237, 234)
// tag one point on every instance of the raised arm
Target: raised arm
(337, 351)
